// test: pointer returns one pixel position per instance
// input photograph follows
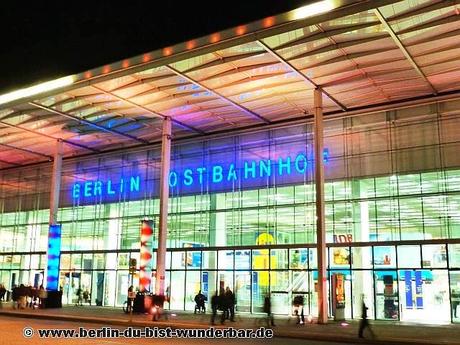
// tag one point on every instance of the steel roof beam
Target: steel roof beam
(423, 9)
(403, 49)
(226, 99)
(9, 163)
(68, 142)
(300, 74)
(179, 123)
(32, 152)
(258, 34)
(89, 123)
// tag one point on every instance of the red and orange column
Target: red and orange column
(145, 264)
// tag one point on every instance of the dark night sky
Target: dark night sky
(41, 40)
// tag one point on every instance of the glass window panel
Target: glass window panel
(298, 258)
(209, 259)
(453, 180)
(242, 259)
(434, 255)
(454, 255)
(339, 257)
(226, 259)
(361, 257)
(455, 295)
(178, 260)
(261, 259)
(409, 256)
(384, 256)
(278, 259)
(76, 261)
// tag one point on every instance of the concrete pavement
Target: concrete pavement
(344, 332)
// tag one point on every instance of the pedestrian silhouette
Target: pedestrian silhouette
(200, 303)
(268, 310)
(364, 323)
(215, 303)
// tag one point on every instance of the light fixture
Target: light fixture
(36, 89)
(312, 9)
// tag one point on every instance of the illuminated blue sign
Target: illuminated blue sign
(217, 176)
(54, 256)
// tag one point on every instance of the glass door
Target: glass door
(243, 291)
(386, 295)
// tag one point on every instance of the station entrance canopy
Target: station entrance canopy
(362, 55)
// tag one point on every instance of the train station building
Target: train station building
(313, 153)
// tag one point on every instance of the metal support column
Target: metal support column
(164, 197)
(320, 219)
(55, 183)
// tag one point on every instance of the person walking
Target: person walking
(298, 306)
(455, 296)
(268, 311)
(364, 323)
(2, 294)
(215, 302)
(230, 302)
(223, 305)
(15, 296)
(79, 297)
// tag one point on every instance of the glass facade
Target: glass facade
(242, 214)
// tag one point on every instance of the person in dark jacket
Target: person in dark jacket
(298, 305)
(215, 303)
(200, 302)
(229, 311)
(15, 296)
(268, 311)
(364, 323)
(2, 292)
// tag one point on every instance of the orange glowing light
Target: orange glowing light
(215, 37)
(106, 69)
(269, 21)
(87, 74)
(146, 58)
(125, 63)
(240, 30)
(167, 51)
(191, 44)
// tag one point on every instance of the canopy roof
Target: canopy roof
(360, 53)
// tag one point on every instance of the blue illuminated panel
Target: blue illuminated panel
(54, 255)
